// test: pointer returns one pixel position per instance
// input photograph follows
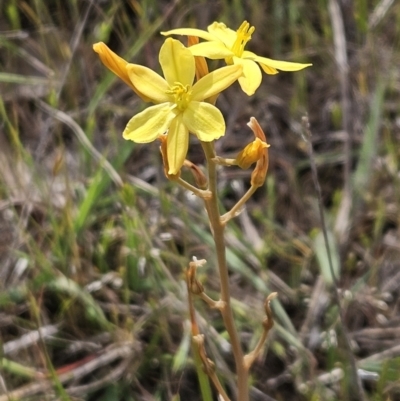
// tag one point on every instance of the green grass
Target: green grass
(94, 239)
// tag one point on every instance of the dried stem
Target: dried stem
(268, 323)
(209, 366)
(211, 303)
(195, 287)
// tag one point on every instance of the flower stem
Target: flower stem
(236, 209)
(218, 229)
(191, 188)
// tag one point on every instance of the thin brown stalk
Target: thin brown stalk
(191, 188)
(209, 366)
(268, 323)
(226, 311)
(195, 287)
(240, 203)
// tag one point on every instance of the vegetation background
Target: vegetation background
(94, 239)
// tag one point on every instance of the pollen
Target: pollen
(181, 94)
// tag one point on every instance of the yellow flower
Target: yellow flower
(179, 107)
(224, 43)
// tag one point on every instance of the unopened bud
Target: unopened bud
(260, 172)
(253, 152)
(117, 65)
(201, 63)
(256, 128)
(198, 175)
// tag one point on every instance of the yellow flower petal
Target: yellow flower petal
(190, 32)
(204, 120)
(200, 61)
(177, 144)
(177, 62)
(149, 83)
(223, 33)
(215, 82)
(269, 70)
(252, 76)
(213, 50)
(116, 64)
(148, 125)
(275, 64)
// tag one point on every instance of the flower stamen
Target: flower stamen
(181, 94)
(243, 36)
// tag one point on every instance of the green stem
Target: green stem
(218, 229)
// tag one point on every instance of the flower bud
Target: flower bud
(117, 65)
(260, 171)
(253, 152)
(201, 63)
(198, 175)
(256, 128)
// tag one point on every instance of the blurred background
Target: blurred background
(94, 239)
